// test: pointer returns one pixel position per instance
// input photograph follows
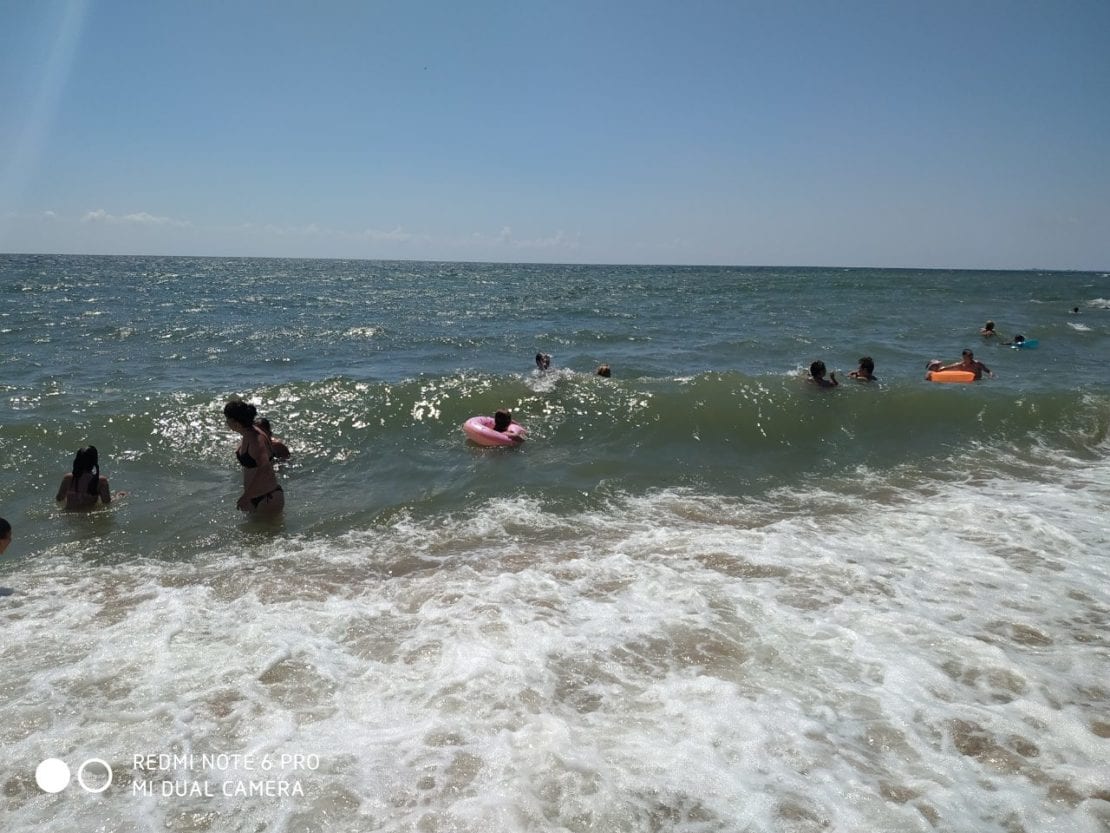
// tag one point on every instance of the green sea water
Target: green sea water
(368, 369)
(703, 595)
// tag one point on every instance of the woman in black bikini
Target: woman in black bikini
(261, 493)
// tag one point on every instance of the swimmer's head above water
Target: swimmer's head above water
(240, 412)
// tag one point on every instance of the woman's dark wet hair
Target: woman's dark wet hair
(5, 529)
(87, 460)
(242, 412)
(817, 369)
(502, 420)
(868, 364)
(264, 424)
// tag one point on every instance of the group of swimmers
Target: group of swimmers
(85, 487)
(864, 373)
(543, 362)
(866, 370)
(988, 331)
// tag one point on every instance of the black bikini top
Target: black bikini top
(245, 460)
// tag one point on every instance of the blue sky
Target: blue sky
(931, 133)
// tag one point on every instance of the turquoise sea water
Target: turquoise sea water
(703, 596)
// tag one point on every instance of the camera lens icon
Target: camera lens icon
(95, 775)
(53, 775)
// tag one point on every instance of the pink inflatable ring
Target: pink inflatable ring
(480, 430)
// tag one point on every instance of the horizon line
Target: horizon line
(569, 263)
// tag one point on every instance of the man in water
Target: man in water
(543, 361)
(866, 371)
(817, 375)
(969, 362)
(5, 535)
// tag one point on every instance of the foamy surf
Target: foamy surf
(869, 653)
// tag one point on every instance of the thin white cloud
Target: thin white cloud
(395, 234)
(559, 240)
(395, 240)
(309, 230)
(504, 238)
(141, 218)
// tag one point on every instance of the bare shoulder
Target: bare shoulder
(63, 487)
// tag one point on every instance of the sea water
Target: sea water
(703, 596)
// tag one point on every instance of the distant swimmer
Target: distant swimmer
(543, 361)
(262, 494)
(817, 376)
(1017, 342)
(278, 449)
(1075, 310)
(5, 535)
(500, 430)
(988, 330)
(970, 363)
(84, 487)
(603, 370)
(866, 370)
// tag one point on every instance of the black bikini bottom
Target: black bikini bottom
(257, 500)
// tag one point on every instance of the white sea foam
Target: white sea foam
(362, 332)
(888, 656)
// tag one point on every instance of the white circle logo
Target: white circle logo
(92, 788)
(52, 775)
